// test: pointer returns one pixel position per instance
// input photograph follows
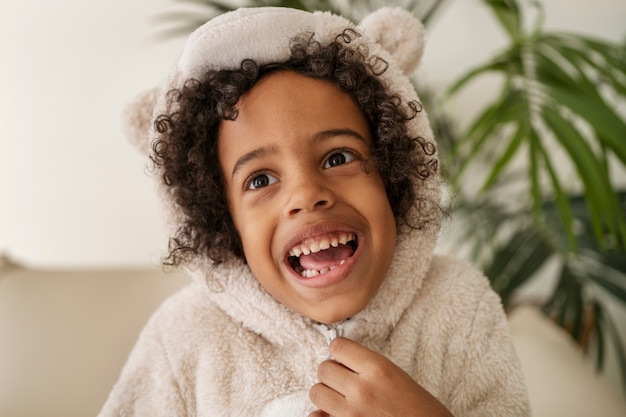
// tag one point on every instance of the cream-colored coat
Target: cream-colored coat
(235, 351)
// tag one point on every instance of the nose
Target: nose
(309, 193)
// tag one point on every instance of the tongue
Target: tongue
(326, 258)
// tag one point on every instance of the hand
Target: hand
(361, 382)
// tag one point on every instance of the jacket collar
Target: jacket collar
(235, 290)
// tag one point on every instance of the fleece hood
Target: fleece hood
(263, 34)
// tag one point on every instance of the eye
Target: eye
(339, 158)
(256, 181)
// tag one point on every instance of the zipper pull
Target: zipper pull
(331, 332)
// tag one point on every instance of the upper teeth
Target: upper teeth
(322, 244)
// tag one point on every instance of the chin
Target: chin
(334, 316)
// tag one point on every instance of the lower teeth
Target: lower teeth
(309, 273)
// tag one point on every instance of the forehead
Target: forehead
(287, 90)
(287, 109)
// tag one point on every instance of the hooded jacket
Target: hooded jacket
(235, 351)
(223, 346)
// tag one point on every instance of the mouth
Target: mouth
(321, 254)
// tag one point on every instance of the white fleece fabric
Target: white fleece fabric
(223, 346)
(235, 351)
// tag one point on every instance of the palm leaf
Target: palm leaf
(613, 331)
(487, 126)
(508, 13)
(609, 127)
(500, 63)
(604, 207)
(498, 166)
(556, 98)
(562, 200)
(600, 61)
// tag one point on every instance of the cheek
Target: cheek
(239, 222)
(255, 232)
(374, 196)
(380, 212)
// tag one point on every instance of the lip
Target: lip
(340, 272)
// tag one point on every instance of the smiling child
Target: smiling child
(293, 164)
(302, 184)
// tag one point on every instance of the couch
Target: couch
(65, 334)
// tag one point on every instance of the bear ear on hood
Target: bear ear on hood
(399, 33)
(137, 119)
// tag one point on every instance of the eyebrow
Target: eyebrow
(267, 150)
(337, 132)
(252, 155)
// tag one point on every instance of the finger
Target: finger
(334, 375)
(352, 355)
(319, 413)
(327, 399)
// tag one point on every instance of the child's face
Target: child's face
(296, 180)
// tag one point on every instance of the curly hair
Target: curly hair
(186, 152)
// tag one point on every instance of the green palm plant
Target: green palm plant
(556, 108)
(552, 135)
(555, 89)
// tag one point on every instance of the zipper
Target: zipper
(329, 331)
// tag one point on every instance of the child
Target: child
(302, 181)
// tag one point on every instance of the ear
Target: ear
(399, 33)
(137, 119)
